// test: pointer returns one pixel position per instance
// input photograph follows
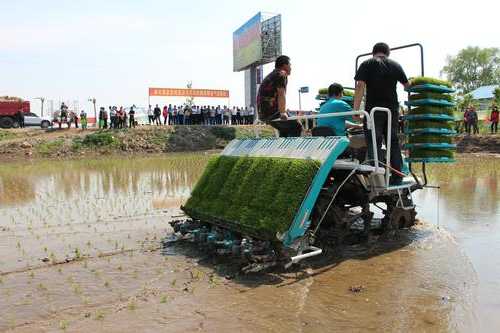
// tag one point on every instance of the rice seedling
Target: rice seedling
(132, 304)
(41, 287)
(431, 95)
(99, 315)
(429, 80)
(432, 110)
(77, 289)
(31, 274)
(260, 195)
(163, 299)
(430, 138)
(78, 254)
(106, 284)
(414, 124)
(63, 324)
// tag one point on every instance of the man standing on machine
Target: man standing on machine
(379, 76)
(271, 99)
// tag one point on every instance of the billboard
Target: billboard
(247, 44)
(188, 92)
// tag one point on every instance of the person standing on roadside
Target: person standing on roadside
(156, 115)
(150, 115)
(83, 120)
(165, 114)
(271, 99)
(494, 119)
(105, 118)
(251, 114)
(100, 120)
(467, 120)
(112, 118)
(20, 118)
(474, 120)
(131, 117)
(378, 76)
(170, 113)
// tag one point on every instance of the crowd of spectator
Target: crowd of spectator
(170, 114)
(200, 115)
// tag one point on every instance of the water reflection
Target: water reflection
(469, 190)
(170, 176)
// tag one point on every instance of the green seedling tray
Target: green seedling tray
(429, 102)
(442, 131)
(430, 146)
(429, 116)
(430, 88)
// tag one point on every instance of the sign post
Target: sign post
(302, 90)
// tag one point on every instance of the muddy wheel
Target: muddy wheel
(401, 218)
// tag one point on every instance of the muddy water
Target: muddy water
(79, 244)
(469, 209)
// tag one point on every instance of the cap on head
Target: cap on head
(381, 48)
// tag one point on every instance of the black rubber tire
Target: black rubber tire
(45, 124)
(6, 122)
(402, 218)
(15, 124)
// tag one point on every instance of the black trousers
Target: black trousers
(381, 135)
(287, 128)
(494, 127)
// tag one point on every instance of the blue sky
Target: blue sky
(114, 50)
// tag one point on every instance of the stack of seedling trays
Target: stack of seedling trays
(429, 123)
(348, 96)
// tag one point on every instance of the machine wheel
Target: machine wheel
(400, 218)
(6, 122)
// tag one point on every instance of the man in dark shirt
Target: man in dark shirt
(271, 99)
(379, 76)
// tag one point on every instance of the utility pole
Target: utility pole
(92, 99)
(42, 100)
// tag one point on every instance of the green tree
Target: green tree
(496, 96)
(463, 102)
(473, 67)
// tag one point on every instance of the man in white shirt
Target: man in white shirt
(251, 114)
(150, 115)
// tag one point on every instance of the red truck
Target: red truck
(9, 107)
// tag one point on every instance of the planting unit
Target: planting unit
(429, 123)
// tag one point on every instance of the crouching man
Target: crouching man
(271, 99)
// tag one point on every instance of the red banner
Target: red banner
(188, 92)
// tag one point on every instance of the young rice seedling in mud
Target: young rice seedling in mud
(99, 315)
(63, 324)
(132, 304)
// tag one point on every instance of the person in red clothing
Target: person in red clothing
(467, 120)
(494, 119)
(165, 115)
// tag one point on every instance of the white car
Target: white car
(31, 119)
